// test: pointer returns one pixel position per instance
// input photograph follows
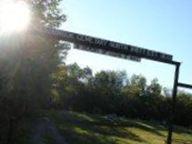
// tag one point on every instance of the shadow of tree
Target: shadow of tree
(131, 124)
(86, 129)
(116, 132)
(180, 130)
(100, 121)
(100, 136)
(179, 141)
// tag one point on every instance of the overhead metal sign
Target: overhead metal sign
(106, 45)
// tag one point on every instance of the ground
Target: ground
(66, 127)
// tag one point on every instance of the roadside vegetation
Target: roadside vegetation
(80, 128)
(108, 107)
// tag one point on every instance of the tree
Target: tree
(106, 88)
(139, 81)
(46, 13)
(151, 101)
(27, 62)
(183, 109)
(136, 86)
(154, 88)
(107, 92)
(131, 91)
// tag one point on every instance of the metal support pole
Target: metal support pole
(174, 94)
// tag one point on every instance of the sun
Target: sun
(14, 16)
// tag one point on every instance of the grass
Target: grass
(78, 128)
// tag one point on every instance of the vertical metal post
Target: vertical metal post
(174, 95)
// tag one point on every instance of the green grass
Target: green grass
(78, 128)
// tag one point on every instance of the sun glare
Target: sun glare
(14, 16)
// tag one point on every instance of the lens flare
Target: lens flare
(14, 16)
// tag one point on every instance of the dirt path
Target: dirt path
(45, 132)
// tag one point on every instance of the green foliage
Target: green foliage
(139, 81)
(154, 88)
(106, 87)
(110, 92)
(26, 64)
(184, 109)
(46, 13)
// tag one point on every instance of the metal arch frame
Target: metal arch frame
(173, 110)
(176, 85)
(57, 34)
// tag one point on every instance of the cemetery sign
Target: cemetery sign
(92, 43)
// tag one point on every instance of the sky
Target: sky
(160, 25)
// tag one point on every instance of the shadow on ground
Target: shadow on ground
(78, 128)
